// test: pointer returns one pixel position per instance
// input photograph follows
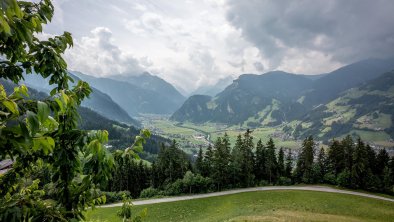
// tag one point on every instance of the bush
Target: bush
(344, 179)
(284, 181)
(150, 192)
(175, 188)
(112, 197)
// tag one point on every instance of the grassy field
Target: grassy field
(264, 206)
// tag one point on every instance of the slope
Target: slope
(366, 111)
(131, 97)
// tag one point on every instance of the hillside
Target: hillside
(367, 111)
(265, 98)
(154, 83)
(132, 97)
(97, 101)
(276, 97)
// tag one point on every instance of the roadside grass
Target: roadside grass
(263, 206)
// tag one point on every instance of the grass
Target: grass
(264, 206)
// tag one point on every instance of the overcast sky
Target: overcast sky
(195, 42)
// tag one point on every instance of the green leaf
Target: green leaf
(32, 122)
(43, 111)
(4, 26)
(46, 144)
(11, 106)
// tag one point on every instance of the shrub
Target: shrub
(284, 181)
(150, 192)
(112, 197)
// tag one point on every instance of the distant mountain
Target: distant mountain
(154, 83)
(137, 99)
(214, 89)
(265, 98)
(329, 86)
(97, 101)
(364, 110)
(277, 97)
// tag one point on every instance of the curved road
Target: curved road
(197, 196)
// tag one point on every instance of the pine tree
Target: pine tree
(260, 161)
(336, 158)
(359, 168)
(281, 162)
(289, 164)
(348, 147)
(199, 165)
(382, 161)
(247, 165)
(220, 164)
(271, 163)
(236, 161)
(208, 162)
(322, 166)
(303, 170)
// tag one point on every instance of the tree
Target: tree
(303, 169)
(336, 157)
(281, 162)
(320, 167)
(208, 161)
(289, 164)
(44, 132)
(260, 161)
(271, 162)
(359, 167)
(348, 148)
(382, 161)
(199, 165)
(221, 162)
(247, 157)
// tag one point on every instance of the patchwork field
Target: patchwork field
(191, 136)
(263, 206)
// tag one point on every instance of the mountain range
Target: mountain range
(298, 103)
(97, 101)
(138, 94)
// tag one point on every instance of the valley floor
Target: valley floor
(294, 203)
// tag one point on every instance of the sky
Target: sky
(192, 43)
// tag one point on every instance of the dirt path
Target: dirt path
(197, 196)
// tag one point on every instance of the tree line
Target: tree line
(346, 163)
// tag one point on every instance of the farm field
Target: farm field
(191, 136)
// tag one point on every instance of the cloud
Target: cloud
(326, 32)
(97, 54)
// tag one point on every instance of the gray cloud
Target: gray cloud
(97, 54)
(342, 31)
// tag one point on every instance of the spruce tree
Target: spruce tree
(382, 161)
(322, 166)
(303, 170)
(336, 158)
(359, 168)
(289, 164)
(348, 147)
(208, 162)
(260, 161)
(281, 162)
(271, 162)
(199, 165)
(220, 165)
(236, 160)
(247, 165)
